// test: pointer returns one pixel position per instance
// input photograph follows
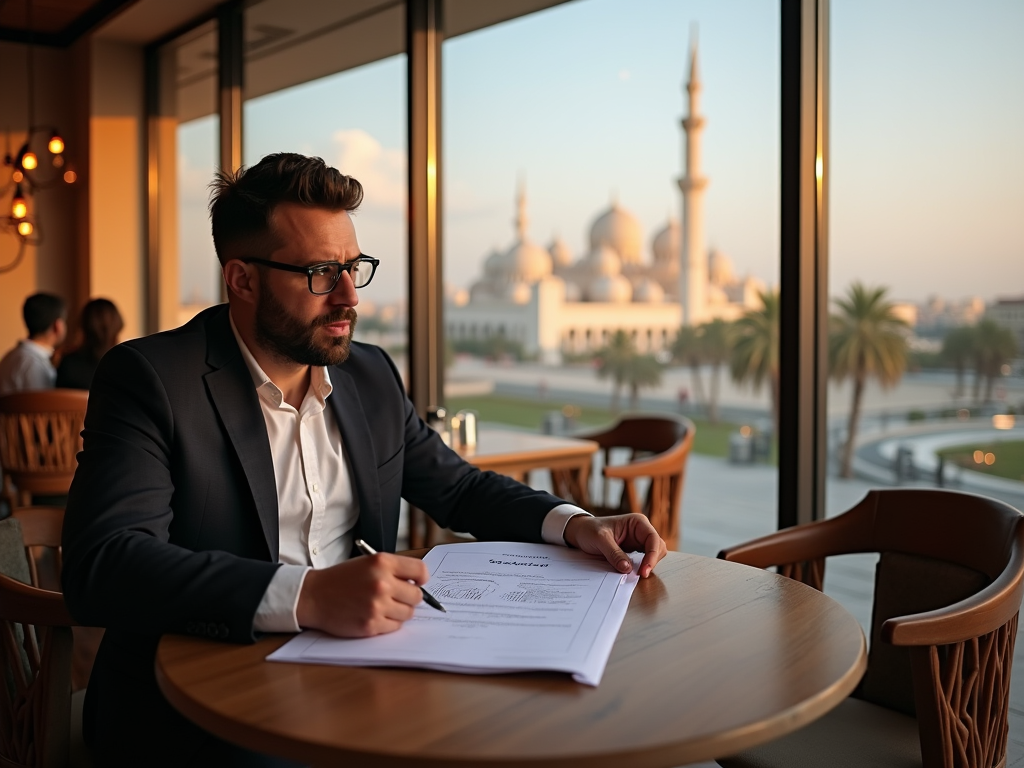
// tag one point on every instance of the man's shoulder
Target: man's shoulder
(181, 344)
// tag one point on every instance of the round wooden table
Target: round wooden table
(712, 658)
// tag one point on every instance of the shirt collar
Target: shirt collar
(319, 380)
(40, 350)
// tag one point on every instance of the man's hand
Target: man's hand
(613, 536)
(365, 596)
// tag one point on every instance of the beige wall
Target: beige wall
(116, 174)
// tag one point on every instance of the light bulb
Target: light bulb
(17, 176)
(70, 177)
(58, 161)
(19, 210)
(25, 228)
(56, 145)
(29, 161)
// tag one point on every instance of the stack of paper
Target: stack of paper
(511, 608)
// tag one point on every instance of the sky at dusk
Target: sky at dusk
(583, 103)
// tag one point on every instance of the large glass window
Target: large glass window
(323, 80)
(926, 253)
(588, 231)
(188, 134)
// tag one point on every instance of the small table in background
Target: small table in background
(516, 454)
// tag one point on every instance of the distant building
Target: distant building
(554, 304)
(1009, 313)
(937, 315)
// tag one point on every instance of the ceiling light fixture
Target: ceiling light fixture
(27, 173)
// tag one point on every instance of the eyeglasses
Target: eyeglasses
(323, 277)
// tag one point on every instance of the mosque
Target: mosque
(554, 304)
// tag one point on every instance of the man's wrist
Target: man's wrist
(553, 528)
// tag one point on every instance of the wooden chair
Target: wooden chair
(37, 728)
(659, 447)
(40, 437)
(948, 590)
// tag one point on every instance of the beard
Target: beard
(287, 337)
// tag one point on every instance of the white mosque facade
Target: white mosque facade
(554, 304)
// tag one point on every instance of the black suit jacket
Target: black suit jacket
(172, 518)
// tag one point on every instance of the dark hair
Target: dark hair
(101, 322)
(242, 202)
(41, 311)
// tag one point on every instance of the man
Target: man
(28, 366)
(230, 464)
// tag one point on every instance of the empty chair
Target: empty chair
(948, 589)
(658, 448)
(40, 721)
(40, 437)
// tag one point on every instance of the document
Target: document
(510, 608)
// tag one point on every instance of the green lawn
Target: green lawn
(1008, 454)
(711, 439)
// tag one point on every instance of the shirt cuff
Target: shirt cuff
(276, 611)
(553, 528)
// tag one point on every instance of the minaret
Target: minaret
(522, 220)
(693, 265)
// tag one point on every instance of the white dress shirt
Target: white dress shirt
(26, 368)
(317, 509)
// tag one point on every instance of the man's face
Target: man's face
(291, 322)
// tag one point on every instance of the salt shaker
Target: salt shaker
(467, 421)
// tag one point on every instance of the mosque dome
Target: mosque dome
(519, 293)
(614, 289)
(666, 243)
(619, 230)
(525, 263)
(720, 269)
(602, 261)
(716, 295)
(492, 264)
(480, 292)
(573, 292)
(561, 256)
(647, 291)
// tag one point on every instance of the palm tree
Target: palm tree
(958, 351)
(755, 350)
(644, 371)
(716, 343)
(994, 347)
(614, 361)
(687, 350)
(866, 340)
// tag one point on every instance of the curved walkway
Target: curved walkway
(875, 457)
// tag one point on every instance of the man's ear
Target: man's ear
(241, 280)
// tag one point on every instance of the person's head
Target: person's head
(101, 323)
(291, 210)
(45, 318)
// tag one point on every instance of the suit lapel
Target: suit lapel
(358, 445)
(237, 403)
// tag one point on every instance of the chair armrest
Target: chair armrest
(977, 615)
(28, 605)
(813, 541)
(656, 465)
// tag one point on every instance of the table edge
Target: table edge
(732, 742)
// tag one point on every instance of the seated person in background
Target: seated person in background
(28, 366)
(101, 323)
(230, 464)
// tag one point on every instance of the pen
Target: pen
(428, 598)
